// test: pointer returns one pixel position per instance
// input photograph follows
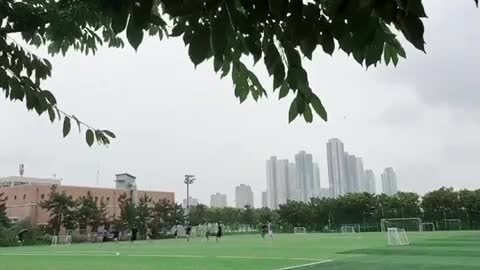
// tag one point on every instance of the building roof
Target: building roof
(126, 174)
(31, 180)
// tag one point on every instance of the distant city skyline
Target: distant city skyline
(389, 181)
(218, 200)
(244, 196)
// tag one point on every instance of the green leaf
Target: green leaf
(413, 29)
(51, 114)
(308, 45)
(49, 96)
(278, 75)
(199, 48)
(90, 138)
(218, 36)
(217, 63)
(272, 58)
(416, 7)
(109, 133)
(278, 8)
(387, 54)
(307, 114)
(318, 107)
(66, 126)
(134, 33)
(292, 112)
(327, 42)
(119, 19)
(283, 90)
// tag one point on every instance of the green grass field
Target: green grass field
(436, 251)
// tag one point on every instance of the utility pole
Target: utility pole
(189, 179)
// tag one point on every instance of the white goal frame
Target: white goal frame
(397, 237)
(386, 223)
(299, 230)
(347, 229)
(61, 240)
(356, 227)
(458, 221)
(430, 224)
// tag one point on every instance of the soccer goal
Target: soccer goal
(347, 229)
(428, 227)
(350, 228)
(299, 230)
(61, 240)
(408, 224)
(397, 237)
(452, 224)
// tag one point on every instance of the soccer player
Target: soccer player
(219, 231)
(270, 232)
(207, 231)
(263, 230)
(116, 235)
(133, 238)
(188, 230)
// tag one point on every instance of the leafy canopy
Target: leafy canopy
(279, 33)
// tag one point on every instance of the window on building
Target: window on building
(108, 199)
(24, 196)
(15, 197)
(96, 199)
(42, 196)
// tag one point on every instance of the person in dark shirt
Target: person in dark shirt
(133, 238)
(263, 230)
(219, 231)
(188, 230)
(116, 235)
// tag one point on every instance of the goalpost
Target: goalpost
(350, 228)
(397, 237)
(452, 224)
(407, 224)
(62, 239)
(428, 227)
(299, 230)
(347, 229)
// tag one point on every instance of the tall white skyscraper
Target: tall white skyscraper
(316, 180)
(389, 181)
(359, 185)
(370, 182)
(218, 200)
(193, 202)
(272, 183)
(293, 185)
(243, 196)
(304, 175)
(337, 171)
(264, 199)
(281, 184)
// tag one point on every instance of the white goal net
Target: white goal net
(61, 240)
(397, 237)
(347, 229)
(450, 224)
(407, 224)
(299, 230)
(428, 227)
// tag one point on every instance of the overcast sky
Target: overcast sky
(421, 118)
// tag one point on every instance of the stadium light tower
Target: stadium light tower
(189, 179)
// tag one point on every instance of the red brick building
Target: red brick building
(23, 200)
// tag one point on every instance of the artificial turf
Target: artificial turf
(362, 251)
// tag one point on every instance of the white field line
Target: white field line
(66, 253)
(267, 258)
(166, 256)
(303, 265)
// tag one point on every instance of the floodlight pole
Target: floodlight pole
(189, 179)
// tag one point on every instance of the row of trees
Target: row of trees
(323, 214)
(87, 212)
(364, 209)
